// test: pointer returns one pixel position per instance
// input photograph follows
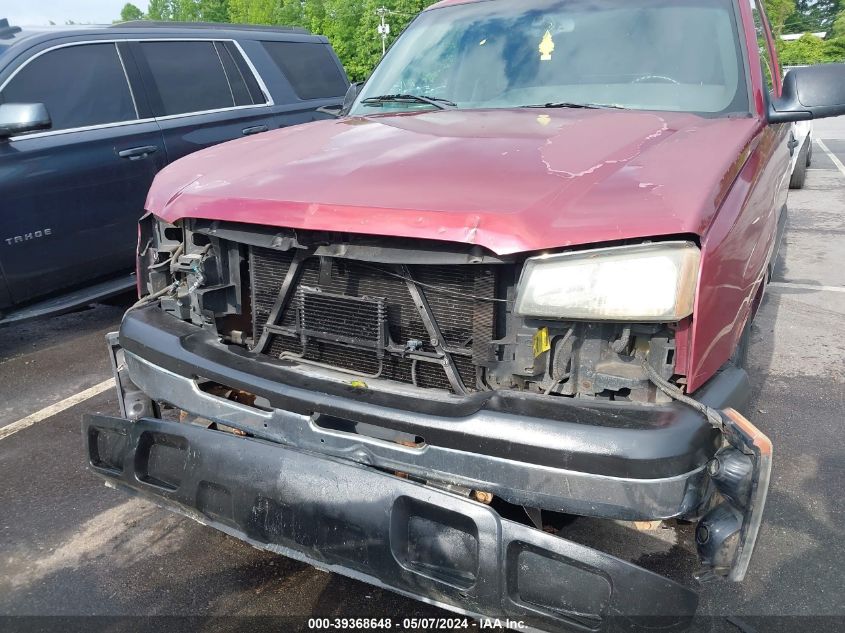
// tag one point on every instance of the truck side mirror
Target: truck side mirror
(18, 118)
(812, 92)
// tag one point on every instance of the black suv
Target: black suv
(89, 116)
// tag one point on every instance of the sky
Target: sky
(41, 12)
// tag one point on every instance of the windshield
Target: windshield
(670, 55)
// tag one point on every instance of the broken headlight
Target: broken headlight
(645, 283)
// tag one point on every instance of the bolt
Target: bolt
(483, 497)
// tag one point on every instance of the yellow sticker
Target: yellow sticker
(358, 384)
(542, 343)
(547, 47)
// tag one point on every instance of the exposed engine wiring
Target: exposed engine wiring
(556, 384)
(167, 290)
(179, 250)
(713, 416)
(156, 295)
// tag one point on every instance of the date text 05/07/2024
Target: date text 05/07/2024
(443, 624)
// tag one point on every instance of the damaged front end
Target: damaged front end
(428, 316)
(481, 408)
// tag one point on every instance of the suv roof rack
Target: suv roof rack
(208, 25)
(6, 30)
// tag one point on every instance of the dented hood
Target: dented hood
(508, 180)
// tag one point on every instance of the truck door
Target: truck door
(71, 196)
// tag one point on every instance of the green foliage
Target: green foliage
(185, 10)
(838, 29)
(812, 50)
(779, 11)
(160, 10)
(130, 12)
(812, 16)
(252, 11)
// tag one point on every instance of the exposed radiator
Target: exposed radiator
(359, 317)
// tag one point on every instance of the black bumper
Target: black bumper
(388, 531)
(625, 462)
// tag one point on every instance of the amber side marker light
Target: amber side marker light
(748, 438)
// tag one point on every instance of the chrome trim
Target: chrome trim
(170, 117)
(88, 128)
(267, 96)
(269, 99)
(518, 482)
(225, 74)
(128, 82)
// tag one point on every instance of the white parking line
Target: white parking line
(787, 285)
(55, 409)
(832, 156)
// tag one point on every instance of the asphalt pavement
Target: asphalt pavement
(71, 547)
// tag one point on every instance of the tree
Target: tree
(838, 29)
(160, 10)
(313, 15)
(812, 16)
(807, 50)
(290, 13)
(368, 40)
(812, 50)
(130, 12)
(185, 11)
(253, 11)
(213, 10)
(340, 26)
(778, 12)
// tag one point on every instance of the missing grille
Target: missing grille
(330, 319)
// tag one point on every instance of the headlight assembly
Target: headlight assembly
(644, 282)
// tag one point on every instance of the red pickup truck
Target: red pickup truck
(507, 290)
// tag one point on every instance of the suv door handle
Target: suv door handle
(137, 153)
(255, 129)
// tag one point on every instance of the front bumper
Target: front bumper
(307, 475)
(388, 531)
(612, 461)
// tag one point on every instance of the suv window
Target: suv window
(81, 85)
(245, 88)
(189, 76)
(310, 68)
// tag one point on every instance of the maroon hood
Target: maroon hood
(508, 180)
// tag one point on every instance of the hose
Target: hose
(156, 295)
(713, 416)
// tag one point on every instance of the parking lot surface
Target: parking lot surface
(70, 547)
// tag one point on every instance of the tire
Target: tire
(799, 174)
(809, 151)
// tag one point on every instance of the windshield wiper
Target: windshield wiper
(437, 102)
(567, 104)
